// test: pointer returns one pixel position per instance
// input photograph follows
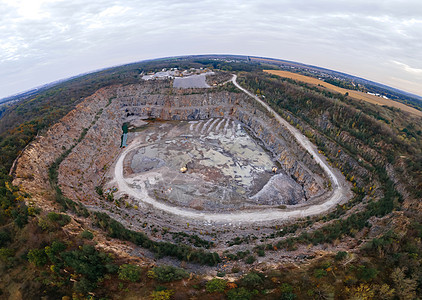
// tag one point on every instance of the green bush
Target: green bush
(162, 295)
(161, 249)
(288, 296)
(251, 281)
(20, 215)
(286, 288)
(53, 221)
(366, 274)
(250, 259)
(84, 285)
(319, 273)
(129, 272)
(46, 225)
(37, 257)
(216, 285)
(5, 238)
(168, 273)
(242, 254)
(87, 235)
(341, 255)
(99, 190)
(6, 253)
(239, 294)
(54, 251)
(60, 219)
(221, 274)
(287, 292)
(90, 264)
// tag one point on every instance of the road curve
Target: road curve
(340, 192)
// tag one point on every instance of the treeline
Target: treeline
(341, 83)
(160, 249)
(347, 226)
(230, 66)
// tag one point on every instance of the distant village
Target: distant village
(376, 94)
(174, 72)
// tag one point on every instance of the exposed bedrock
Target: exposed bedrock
(31, 168)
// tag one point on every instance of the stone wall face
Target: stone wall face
(31, 172)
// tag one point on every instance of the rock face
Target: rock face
(279, 187)
(31, 168)
(104, 113)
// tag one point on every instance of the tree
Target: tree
(250, 259)
(167, 273)
(129, 272)
(4, 238)
(37, 257)
(216, 285)
(363, 291)
(162, 295)
(405, 287)
(87, 235)
(366, 274)
(6, 253)
(385, 292)
(239, 294)
(251, 280)
(91, 264)
(287, 292)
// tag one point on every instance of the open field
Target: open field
(354, 94)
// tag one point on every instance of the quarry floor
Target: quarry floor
(226, 168)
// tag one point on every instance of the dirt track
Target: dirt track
(340, 188)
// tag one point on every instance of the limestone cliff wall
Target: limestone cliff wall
(31, 171)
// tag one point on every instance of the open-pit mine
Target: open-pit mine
(168, 153)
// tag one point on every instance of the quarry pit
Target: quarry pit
(213, 157)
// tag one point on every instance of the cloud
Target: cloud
(408, 68)
(41, 41)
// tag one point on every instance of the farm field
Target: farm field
(354, 94)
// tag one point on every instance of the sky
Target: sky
(46, 40)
